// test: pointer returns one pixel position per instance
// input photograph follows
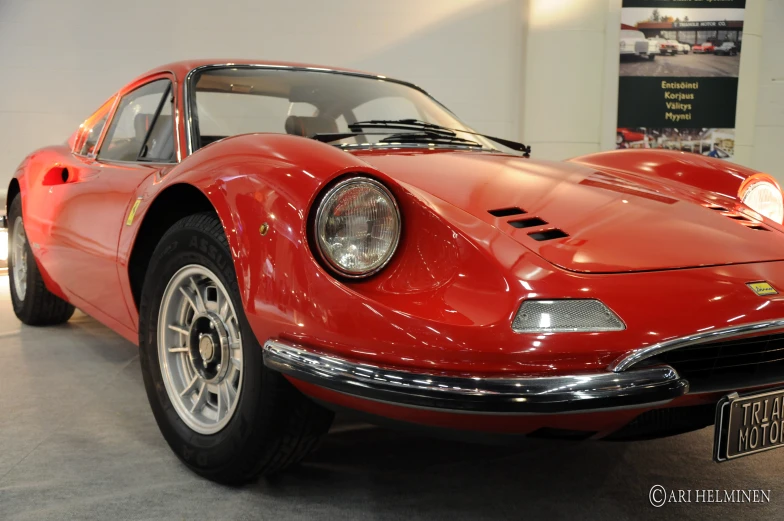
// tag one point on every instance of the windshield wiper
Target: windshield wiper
(405, 124)
(418, 136)
(428, 136)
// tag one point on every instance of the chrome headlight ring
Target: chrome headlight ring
(357, 226)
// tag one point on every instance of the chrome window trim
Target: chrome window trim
(118, 96)
(189, 89)
(477, 395)
(626, 361)
(109, 114)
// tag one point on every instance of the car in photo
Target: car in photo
(683, 48)
(671, 47)
(664, 47)
(703, 48)
(726, 49)
(625, 135)
(283, 241)
(634, 43)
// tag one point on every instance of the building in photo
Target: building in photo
(694, 32)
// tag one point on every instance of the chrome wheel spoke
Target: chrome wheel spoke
(224, 399)
(200, 306)
(223, 308)
(178, 329)
(192, 386)
(188, 298)
(201, 398)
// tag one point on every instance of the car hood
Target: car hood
(611, 222)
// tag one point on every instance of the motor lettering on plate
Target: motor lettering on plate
(762, 424)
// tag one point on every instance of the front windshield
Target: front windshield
(228, 101)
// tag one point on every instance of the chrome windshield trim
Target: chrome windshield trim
(507, 395)
(187, 88)
(625, 362)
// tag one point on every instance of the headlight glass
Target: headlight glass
(567, 315)
(765, 198)
(357, 227)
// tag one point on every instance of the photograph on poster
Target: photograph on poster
(711, 142)
(683, 42)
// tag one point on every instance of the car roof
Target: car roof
(181, 69)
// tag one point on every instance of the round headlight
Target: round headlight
(357, 227)
(765, 198)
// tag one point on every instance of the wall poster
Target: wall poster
(678, 82)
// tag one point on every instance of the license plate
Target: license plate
(747, 424)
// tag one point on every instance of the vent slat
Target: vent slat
(528, 223)
(506, 212)
(548, 235)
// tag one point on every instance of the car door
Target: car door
(90, 208)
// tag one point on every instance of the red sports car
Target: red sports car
(703, 48)
(285, 240)
(626, 135)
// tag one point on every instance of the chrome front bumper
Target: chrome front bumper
(513, 395)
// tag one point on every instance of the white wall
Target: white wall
(566, 77)
(59, 60)
(545, 71)
(768, 146)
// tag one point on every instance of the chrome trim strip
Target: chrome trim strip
(188, 78)
(531, 395)
(625, 362)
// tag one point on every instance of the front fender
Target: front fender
(692, 170)
(254, 179)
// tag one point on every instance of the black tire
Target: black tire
(274, 425)
(37, 306)
(651, 57)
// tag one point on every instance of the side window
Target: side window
(132, 122)
(92, 135)
(160, 139)
(90, 130)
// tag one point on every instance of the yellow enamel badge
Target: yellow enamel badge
(132, 213)
(762, 288)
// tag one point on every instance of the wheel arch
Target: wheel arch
(172, 204)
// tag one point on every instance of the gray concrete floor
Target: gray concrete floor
(77, 441)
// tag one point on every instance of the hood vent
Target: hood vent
(547, 235)
(528, 223)
(506, 212)
(742, 219)
(755, 226)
